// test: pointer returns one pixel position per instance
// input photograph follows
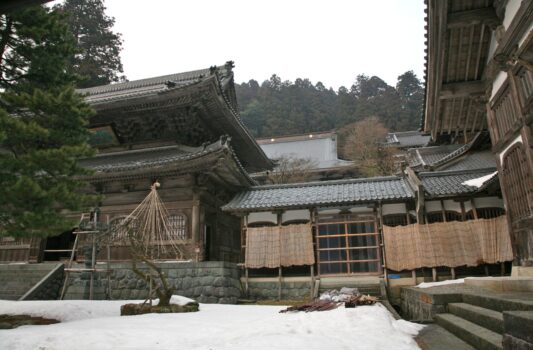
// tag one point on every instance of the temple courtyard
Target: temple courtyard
(98, 325)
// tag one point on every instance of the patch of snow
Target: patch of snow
(177, 300)
(92, 325)
(480, 181)
(442, 283)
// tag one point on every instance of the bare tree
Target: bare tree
(365, 145)
(291, 170)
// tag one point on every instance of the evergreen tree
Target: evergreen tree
(98, 58)
(411, 94)
(280, 107)
(42, 125)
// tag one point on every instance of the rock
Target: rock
(139, 309)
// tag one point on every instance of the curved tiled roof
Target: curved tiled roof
(339, 192)
(449, 183)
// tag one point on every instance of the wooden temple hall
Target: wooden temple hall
(463, 205)
(181, 130)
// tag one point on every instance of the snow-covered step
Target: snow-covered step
(479, 337)
(487, 318)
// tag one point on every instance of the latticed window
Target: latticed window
(347, 244)
(118, 228)
(516, 180)
(178, 226)
(489, 213)
(395, 220)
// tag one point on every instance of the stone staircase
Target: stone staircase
(478, 319)
(17, 279)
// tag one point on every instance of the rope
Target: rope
(149, 223)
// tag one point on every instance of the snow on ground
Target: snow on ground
(89, 325)
(442, 283)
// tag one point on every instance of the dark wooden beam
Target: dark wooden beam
(485, 16)
(462, 89)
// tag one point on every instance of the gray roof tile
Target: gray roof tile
(149, 86)
(408, 139)
(340, 192)
(444, 183)
(471, 161)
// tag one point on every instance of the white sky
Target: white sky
(331, 41)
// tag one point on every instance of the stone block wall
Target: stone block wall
(206, 282)
(269, 290)
(49, 288)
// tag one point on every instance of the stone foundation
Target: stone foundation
(206, 282)
(518, 330)
(268, 288)
(422, 305)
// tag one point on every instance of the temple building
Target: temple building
(182, 130)
(479, 78)
(317, 151)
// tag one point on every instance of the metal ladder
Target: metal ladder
(93, 223)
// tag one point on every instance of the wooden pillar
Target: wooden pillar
(279, 283)
(195, 223)
(312, 281)
(246, 286)
(474, 210)
(434, 274)
(382, 243)
(452, 270)
(279, 269)
(413, 276)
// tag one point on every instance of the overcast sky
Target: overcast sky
(331, 41)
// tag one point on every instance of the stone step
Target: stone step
(434, 337)
(9, 297)
(496, 303)
(487, 318)
(475, 335)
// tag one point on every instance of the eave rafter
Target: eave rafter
(485, 16)
(462, 89)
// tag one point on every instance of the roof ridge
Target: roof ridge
(456, 172)
(144, 82)
(329, 182)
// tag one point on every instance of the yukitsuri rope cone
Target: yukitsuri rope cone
(150, 236)
(149, 231)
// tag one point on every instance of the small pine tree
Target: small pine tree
(98, 58)
(42, 125)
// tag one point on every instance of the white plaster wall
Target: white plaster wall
(497, 83)
(398, 208)
(451, 205)
(264, 216)
(291, 215)
(488, 202)
(510, 11)
(502, 153)
(432, 206)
